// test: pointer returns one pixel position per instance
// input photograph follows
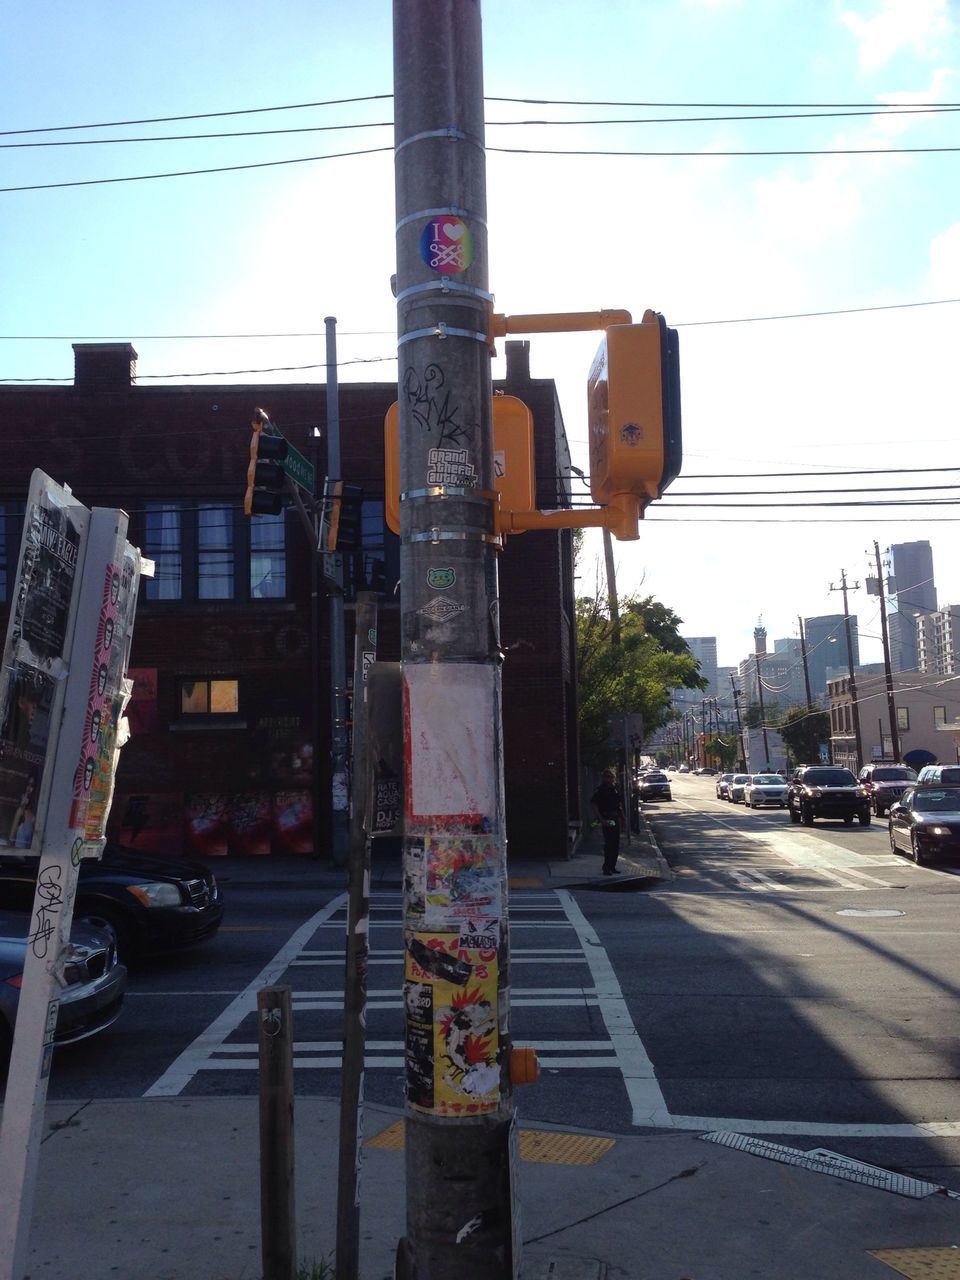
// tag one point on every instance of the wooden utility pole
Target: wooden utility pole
(850, 675)
(803, 656)
(460, 1124)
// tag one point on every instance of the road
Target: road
(798, 983)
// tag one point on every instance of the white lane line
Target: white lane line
(184, 1067)
(393, 1063)
(396, 1046)
(756, 881)
(646, 1100)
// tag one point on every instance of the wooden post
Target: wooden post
(278, 1231)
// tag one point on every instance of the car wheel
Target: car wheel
(806, 815)
(894, 847)
(794, 816)
(848, 819)
(915, 848)
(864, 818)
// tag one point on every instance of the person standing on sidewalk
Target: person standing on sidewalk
(607, 805)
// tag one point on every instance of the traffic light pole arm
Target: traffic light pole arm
(621, 516)
(556, 322)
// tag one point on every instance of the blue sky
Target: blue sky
(702, 238)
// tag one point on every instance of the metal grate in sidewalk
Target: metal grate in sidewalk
(822, 1161)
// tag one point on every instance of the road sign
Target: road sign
(299, 468)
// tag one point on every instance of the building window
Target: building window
(209, 697)
(903, 717)
(268, 557)
(215, 557)
(212, 551)
(11, 527)
(163, 544)
(939, 715)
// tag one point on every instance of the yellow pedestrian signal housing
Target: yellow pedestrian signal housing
(633, 395)
(515, 475)
(266, 477)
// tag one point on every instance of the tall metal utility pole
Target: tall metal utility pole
(333, 574)
(806, 667)
(888, 674)
(461, 1137)
(850, 676)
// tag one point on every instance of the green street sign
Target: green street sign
(298, 468)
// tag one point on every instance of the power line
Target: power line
(710, 154)
(188, 173)
(869, 108)
(204, 115)
(912, 110)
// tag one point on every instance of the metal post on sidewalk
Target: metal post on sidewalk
(347, 1254)
(333, 573)
(461, 1139)
(278, 1230)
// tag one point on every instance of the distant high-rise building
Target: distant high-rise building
(704, 649)
(826, 640)
(938, 641)
(912, 594)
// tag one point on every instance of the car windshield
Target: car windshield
(742, 777)
(894, 775)
(767, 780)
(829, 778)
(937, 800)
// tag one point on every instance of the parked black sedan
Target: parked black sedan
(94, 982)
(925, 824)
(153, 903)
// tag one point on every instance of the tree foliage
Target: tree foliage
(802, 730)
(637, 675)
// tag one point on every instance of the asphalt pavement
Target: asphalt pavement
(168, 1188)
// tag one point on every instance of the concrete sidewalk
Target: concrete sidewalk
(168, 1188)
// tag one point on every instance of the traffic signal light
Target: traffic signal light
(634, 411)
(266, 477)
(344, 531)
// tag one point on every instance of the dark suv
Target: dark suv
(885, 784)
(824, 791)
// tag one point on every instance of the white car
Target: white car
(765, 788)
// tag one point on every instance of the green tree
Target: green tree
(802, 730)
(723, 751)
(638, 675)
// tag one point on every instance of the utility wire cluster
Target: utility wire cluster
(747, 113)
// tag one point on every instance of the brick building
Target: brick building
(230, 714)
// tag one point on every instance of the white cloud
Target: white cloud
(917, 25)
(945, 261)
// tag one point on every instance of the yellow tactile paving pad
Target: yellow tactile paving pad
(536, 1145)
(524, 882)
(922, 1264)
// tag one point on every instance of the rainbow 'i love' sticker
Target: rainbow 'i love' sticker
(446, 245)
